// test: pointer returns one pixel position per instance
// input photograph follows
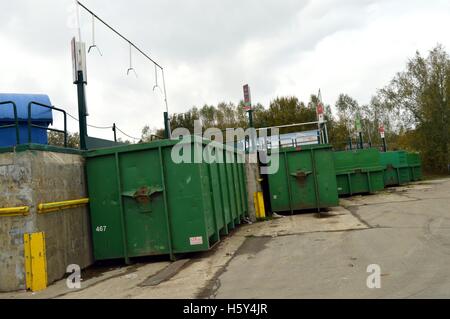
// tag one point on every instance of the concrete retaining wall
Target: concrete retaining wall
(28, 178)
(253, 183)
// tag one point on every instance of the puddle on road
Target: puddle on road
(253, 245)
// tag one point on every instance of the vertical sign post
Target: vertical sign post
(320, 113)
(248, 104)
(321, 120)
(359, 130)
(80, 79)
(383, 137)
(249, 110)
(320, 110)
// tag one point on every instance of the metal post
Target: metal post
(166, 126)
(82, 109)
(350, 144)
(250, 118)
(252, 138)
(384, 145)
(361, 143)
(166, 120)
(369, 133)
(250, 125)
(115, 132)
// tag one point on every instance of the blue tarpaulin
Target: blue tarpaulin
(39, 116)
(38, 113)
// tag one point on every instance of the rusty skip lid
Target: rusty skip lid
(144, 193)
(301, 174)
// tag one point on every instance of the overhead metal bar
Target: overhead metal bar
(131, 44)
(289, 125)
(119, 34)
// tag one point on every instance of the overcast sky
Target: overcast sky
(210, 48)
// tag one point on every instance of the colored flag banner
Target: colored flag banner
(247, 98)
(320, 109)
(381, 130)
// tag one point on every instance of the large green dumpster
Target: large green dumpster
(144, 203)
(415, 166)
(305, 179)
(358, 171)
(397, 169)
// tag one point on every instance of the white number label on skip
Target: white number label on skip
(101, 229)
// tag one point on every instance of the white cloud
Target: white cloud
(211, 48)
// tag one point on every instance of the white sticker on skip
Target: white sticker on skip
(196, 241)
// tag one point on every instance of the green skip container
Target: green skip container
(415, 166)
(397, 169)
(142, 202)
(306, 179)
(358, 172)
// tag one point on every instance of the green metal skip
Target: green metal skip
(143, 202)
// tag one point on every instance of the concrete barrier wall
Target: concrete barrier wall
(253, 183)
(28, 178)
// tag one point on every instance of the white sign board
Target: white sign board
(78, 59)
(195, 241)
(381, 129)
(320, 113)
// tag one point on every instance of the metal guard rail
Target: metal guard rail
(16, 120)
(30, 125)
(14, 211)
(57, 206)
(43, 208)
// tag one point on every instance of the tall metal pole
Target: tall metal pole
(383, 138)
(361, 143)
(77, 12)
(252, 138)
(166, 114)
(82, 114)
(327, 141)
(369, 133)
(250, 118)
(166, 126)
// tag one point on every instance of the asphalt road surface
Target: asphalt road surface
(401, 235)
(408, 237)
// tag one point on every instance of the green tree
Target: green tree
(418, 99)
(149, 135)
(57, 139)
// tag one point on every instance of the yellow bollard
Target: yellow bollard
(258, 200)
(35, 261)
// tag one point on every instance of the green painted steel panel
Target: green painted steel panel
(358, 171)
(397, 169)
(305, 179)
(143, 203)
(415, 166)
(231, 188)
(242, 185)
(225, 197)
